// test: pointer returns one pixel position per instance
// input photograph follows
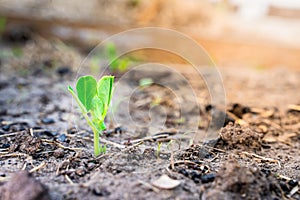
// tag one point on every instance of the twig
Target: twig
(214, 158)
(284, 177)
(220, 150)
(11, 134)
(112, 143)
(149, 138)
(38, 167)
(61, 165)
(69, 180)
(13, 155)
(261, 157)
(3, 179)
(149, 186)
(294, 107)
(186, 162)
(293, 191)
(3, 150)
(31, 132)
(61, 146)
(133, 146)
(24, 166)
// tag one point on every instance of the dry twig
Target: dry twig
(149, 186)
(261, 158)
(38, 167)
(61, 146)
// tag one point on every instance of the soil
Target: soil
(46, 148)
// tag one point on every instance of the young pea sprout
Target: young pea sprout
(94, 97)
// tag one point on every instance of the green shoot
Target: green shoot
(117, 64)
(144, 82)
(94, 97)
(158, 149)
(2, 24)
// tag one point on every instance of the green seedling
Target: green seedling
(158, 149)
(117, 64)
(2, 24)
(94, 98)
(145, 82)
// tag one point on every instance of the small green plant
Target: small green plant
(2, 25)
(117, 64)
(145, 82)
(94, 97)
(158, 149)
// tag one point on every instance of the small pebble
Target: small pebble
(72, 130)
(50, 133)
(62, 138)
(48, 121)
(6, 127)
(293, 183)
(62, 71)
(4, 146)
(208, 178)
(119, 130)
(183, 172)
(284, 186)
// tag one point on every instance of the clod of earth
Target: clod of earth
(235, 136)
(237, 182)
(23, 186)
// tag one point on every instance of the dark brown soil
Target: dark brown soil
(41, 132)
(23, 186)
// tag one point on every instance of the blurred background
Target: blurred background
(253, 33)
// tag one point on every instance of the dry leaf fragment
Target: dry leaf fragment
(165, 182)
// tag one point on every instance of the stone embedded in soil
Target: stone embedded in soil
(48, 121)
(63, 70)
(23, 186)
(62, 138)
(208, 178)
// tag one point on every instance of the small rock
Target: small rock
(62, 71)
(48, 121)
(208, 178)
(62, 138)
(293, 183)
(4, 146)
(72, 130)
(6, 127)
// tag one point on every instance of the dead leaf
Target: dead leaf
(165, 182)
(285, 138)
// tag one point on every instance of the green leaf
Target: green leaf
(104, 89)
(145, 82)
(97, 108)
(86, 90)
(3, 24)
